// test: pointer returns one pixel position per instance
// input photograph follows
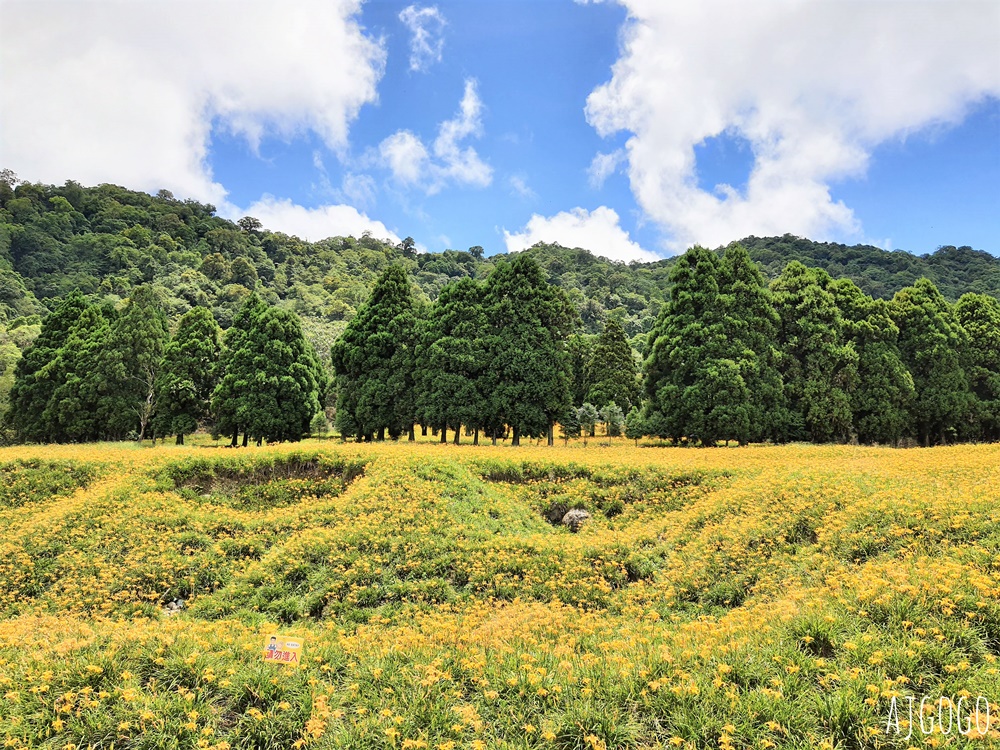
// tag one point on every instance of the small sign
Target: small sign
(283, 649)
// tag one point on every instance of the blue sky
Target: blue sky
(632, 128)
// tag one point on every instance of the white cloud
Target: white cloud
(520, 187)
(598, 231)
(128, 92)
(426, 27)
(448, 161)
(314, 224)
(813, 86)
(603, 166)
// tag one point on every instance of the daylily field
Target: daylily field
(758, 597)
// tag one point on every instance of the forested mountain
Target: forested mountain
(153, 312)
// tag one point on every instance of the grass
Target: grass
(753, 597)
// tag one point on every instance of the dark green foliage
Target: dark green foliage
(374, 361)
(528, 321)
(933, 345)
(188, 375)
(635, 428)
(451, 360)
(751, 325)
(230, 399)
(884, 389)
(129, 362)
(818, 365)
(37, 376)
(612, 372)
(694, 386)
(271, 382)
(979, 315)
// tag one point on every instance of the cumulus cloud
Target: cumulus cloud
(813, 86)
(314, 224)
(448, 160)
(598, 231)
(130, 92)
(426, 27)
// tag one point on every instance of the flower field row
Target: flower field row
(747, 598)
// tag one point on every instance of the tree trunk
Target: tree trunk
(246, 438)
(458, 434)
(412, 435)
(236, 434)
(381, 434)
(423, 430)
(444, 435)
(259, 441)
(552, 434)
(180, 438)
(516, 440)
(475, 438)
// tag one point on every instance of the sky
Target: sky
(634, 128)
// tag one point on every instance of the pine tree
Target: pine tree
(130, 363)
(188, 375)
(527, 374)
(695, 389)
(819, 367)
(587, 416)
(75, 412)
(231, 407)
(635, 428)
(612, 370)
(451, 360)
(36, 376)
(979, 315)
(932, 343)
(751, 324)
(881, 398)
(374, 361)
(287, 381)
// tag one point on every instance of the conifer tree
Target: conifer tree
(884, 389)
(751, 324)
(819, 367)
(188, 375)
(612, 370)
(75, 413)
(36, 376)
(374, 361)
(451, 360)
(695, 388)
(979, 315)
(130, 363)
(231, 405)
(527, 376)
(932, 343)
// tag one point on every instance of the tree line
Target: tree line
(730, 357)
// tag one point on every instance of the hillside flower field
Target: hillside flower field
(757, 597)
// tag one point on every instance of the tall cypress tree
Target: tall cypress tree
(751, 324)
(527, 375)
(932, 343)
(286, 381)
(36, 375)
(819, 367)
(881, 398)
(188, 375)
(75, 412)
(130, 363)
(374, 361)
(612, 370)
(695, 388)
(979, 315)
(451, 359)
(231, 406)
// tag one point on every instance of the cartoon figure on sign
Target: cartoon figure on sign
(282, 649)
